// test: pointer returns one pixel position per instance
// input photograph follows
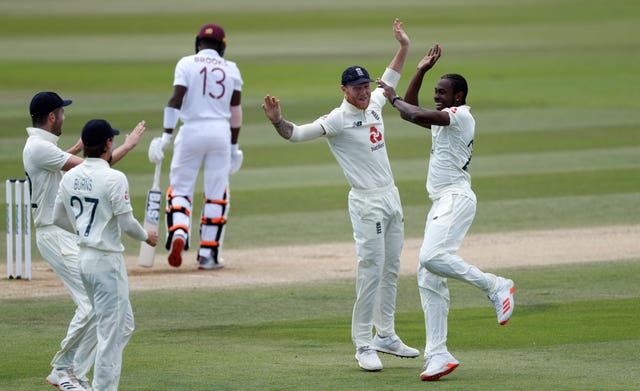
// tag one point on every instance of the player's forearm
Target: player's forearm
(295, 133)
(284, 128)
(131, 227)
(235, 123)
(77, 148)
(413, 89)
(397, 62)
(119, 153)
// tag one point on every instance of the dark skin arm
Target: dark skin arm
(236, 98)
(176, 100)
(408, 108)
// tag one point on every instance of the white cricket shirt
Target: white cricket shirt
(356, 139)
(43, 161)
(210, 82)
(451, 149)
(93, 195)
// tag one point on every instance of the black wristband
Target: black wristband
(395, 98)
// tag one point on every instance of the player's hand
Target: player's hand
(156, 154)
(271, 107)
(132, 139)
(152, 238)
(77, 148)
(389, 91)
(398, 32)
(236, 158)
(430, 59)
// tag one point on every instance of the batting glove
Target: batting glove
(236, 158)
(157, 147)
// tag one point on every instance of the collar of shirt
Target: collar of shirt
(209, 52)
(351, 109)
(96, 161)
(48, 136)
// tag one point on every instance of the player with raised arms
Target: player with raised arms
(454, 206)
(355, 134)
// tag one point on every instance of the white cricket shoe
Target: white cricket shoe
(394, 345)
(502, 300)
(439, 365)
(65, 380)
(85, 383)
(209, 263)
(368, 359)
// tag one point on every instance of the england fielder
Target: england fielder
(355, 134)
(454, 206)
(44, 163)
(93, 201)
(206, 97)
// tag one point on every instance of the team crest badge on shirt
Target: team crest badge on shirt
(375, 135)
(126, 196)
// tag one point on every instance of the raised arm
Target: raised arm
(427, 62)
(286, 129)
(130, 142)
(414, 113)
(397, 62)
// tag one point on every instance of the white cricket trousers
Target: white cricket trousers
(447, 223)
(378, 231)
(198, 142)
(104, 275)
(77, 350)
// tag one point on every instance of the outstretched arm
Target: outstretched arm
(397, 62)
(289, 130)
(414, 113)
(427, 62)
(130, 142)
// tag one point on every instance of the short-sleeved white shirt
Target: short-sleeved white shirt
(93, 195)
(356, 139)
(210, 81)
(43, 161)
(451, 149)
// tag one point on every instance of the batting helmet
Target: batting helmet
(215, 33)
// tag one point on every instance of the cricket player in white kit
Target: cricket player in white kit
(454, 206)
(44, 163)
(93, 201)
(207, 99)
(355, 134)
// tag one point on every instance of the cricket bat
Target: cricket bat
(151, 218)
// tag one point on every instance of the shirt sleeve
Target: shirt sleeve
(391, 77)
(119, 194)
(180, 77)
(50, 157)
(60, 216)
(331, 123)
(131, 227)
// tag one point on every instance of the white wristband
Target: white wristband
(235, 148)
(171, 117)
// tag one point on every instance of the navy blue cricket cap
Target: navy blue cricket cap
(43, 103)
(97, 131)
(355, 75)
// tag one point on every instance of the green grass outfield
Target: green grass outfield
(553, 87)
(574, 328)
